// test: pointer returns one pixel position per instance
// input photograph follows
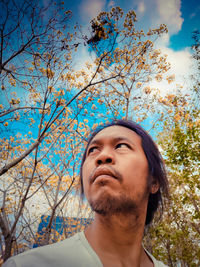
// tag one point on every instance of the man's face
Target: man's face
(115, 172)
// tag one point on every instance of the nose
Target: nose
(105, 157)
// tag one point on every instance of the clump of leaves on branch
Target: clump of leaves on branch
(176, 239)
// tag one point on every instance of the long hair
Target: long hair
(155, 165)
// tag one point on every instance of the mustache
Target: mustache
(105, 171)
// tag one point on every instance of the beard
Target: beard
(107, 204)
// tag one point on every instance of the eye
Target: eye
(122, 145)
(92, 149)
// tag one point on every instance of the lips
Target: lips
(103, 171)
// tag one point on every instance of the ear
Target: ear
(154, 187)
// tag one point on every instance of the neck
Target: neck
(117, 239)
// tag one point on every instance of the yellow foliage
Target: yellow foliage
(32, 120)
(159, 78)
(171, 97)
(17, 117)
(14, 101)
(59, 93)
(147, 90)
(12, 82)
(100, 101)
(170, 78)
(197, 123)
(30, 69)
(50, 73)
(138, 85)
(177, 117)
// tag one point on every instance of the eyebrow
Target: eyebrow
(114, 140)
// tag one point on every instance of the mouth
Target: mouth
(100, 172)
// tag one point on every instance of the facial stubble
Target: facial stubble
(107, 204)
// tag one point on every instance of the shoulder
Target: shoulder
(159, 264)
(62, 254)
(155, 261)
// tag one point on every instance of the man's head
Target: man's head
(128, 166)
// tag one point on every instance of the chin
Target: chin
(107, 204)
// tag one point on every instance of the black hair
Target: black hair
(155, 164)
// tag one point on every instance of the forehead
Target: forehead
(117, 132)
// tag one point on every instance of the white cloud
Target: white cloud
(180, 61)
(81, 58)
(90, 8)
(170, 14)
(156, 12)
(111, 4)
(163, 40)
(141, 8)
(181, 67)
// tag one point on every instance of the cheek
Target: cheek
(85, 177)
(136, 170)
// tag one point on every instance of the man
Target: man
(122, 177)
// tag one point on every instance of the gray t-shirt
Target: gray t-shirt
(71, 252)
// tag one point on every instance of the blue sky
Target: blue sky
(190, 12)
